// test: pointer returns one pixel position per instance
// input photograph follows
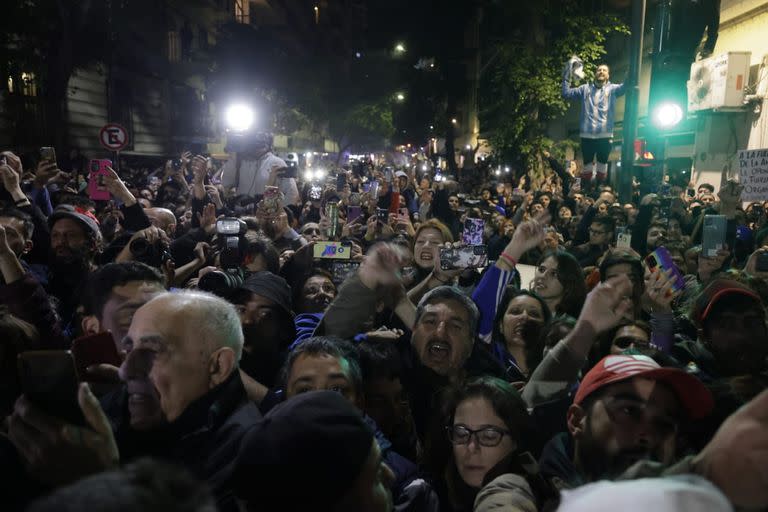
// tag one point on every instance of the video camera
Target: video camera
(231, 243)
(243, 142)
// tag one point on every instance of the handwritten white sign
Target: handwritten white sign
(753, 174)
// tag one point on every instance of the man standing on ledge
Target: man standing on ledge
(598, 102)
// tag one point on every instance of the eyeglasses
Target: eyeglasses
(311, 231)
(626, 341)
(488, 436)
(629, 413)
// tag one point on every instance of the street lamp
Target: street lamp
(239, 117)
(399, 48)
(667, 115)
(400, 96)
(454, 121)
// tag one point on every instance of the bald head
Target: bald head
(204, 317)
(194, 342)
(162, 218)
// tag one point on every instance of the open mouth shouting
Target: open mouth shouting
(437, 353)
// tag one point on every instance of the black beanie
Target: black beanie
(305, 454)
(272, 287)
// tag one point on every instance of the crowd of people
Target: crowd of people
(301, 341)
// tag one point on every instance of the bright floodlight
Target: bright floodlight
(668, 115)
(239, 117)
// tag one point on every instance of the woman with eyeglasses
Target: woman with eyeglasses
(485, 422)
(560, 282)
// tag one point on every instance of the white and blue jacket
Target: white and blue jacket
(598, 105)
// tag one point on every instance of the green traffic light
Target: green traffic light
(667, 115)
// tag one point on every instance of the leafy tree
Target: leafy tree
(520, 90)
(362, 125)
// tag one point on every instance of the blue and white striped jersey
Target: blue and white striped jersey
(598, 105)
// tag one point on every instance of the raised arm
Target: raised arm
(603, 309)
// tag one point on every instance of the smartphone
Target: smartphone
(373, 189)
(691, 192)
(97, 190)
(713, 234)
(576, 184)
(341, 270)
(49, 380)
(332, 212)
(341, 181)
(623, 238)
(389, 176)
(315, 193)
(353, 213)
(48, 154)
(660, 259)
(473, 231)
(94, 349)
(466, 256)
(382, 215)
(762, 262)
(333, 250)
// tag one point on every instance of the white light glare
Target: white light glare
(506, 169)
(239, 117)
(498, 172)
(424, 167)
(317, 174)
(668, 115)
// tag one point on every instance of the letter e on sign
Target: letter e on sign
(113, 137)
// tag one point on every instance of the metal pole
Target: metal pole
(632, 88)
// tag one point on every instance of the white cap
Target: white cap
(668, 494)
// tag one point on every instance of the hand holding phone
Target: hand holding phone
(97, 189)
(49, 380)
(90, 351)
(713, 235)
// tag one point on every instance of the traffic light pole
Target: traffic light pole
(632, 88)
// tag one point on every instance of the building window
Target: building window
(243, 11)
(24, 84)
(174, 44)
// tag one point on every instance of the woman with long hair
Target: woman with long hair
(560, 282)
(516, 341)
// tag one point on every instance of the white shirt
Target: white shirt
(254, 177)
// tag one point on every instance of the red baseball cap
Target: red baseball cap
(693, 395)
(716, 290)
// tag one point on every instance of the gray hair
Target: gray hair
(443, 293)
(218, 322)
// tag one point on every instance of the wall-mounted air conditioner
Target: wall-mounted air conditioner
(718, 82)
